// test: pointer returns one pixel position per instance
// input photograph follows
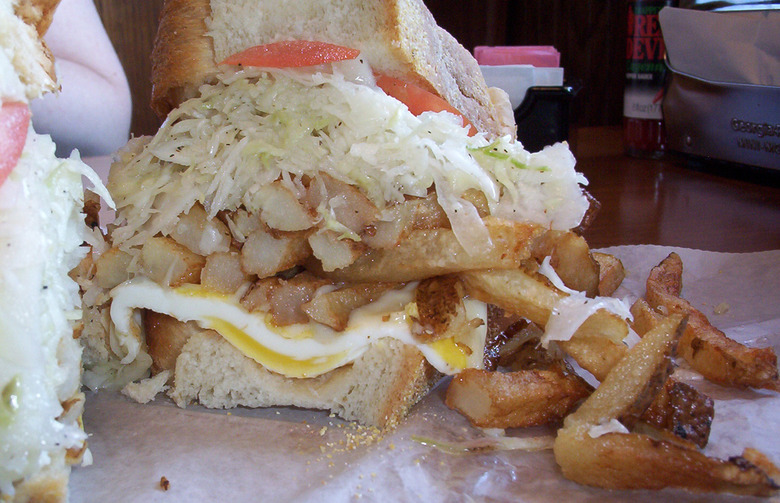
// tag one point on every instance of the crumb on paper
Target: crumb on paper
(165, 484)
(147, 389)
(721, 308)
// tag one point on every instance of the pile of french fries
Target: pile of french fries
(639, 428)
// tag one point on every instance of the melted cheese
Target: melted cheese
(300, 350)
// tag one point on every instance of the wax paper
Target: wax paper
(288, 454)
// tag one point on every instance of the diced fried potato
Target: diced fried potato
(333, 252)
(283, 299)
(424, 213)
(436, 252)
(611, 273)
(415, 213)
(257, 297)
(604, 324)
(514, 399)
(111, 268)
(222, 272)
(571, 258)
(242, 223)
(280, 208)
(266, 254)
(201, 234)
(349, 205)
(169, 263)
(333, 308)
(383, 234)
(708, 350)
(440, 309)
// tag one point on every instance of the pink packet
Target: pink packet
(537, 55)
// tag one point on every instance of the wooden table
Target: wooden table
(666, 202)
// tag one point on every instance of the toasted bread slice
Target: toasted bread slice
(399, 38)
(377, 390)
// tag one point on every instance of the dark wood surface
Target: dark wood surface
(666, 202)
(589, 34)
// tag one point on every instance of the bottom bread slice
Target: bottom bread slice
(377, 389)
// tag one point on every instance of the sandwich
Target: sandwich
(293, 234)
(42, 230)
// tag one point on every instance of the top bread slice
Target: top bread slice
(399, 38)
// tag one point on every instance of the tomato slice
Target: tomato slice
(291, 54)
(418, 100)
(14, 122)
(298, 53)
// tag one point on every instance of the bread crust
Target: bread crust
(37, 13)
(33, 60)
(402, 40)
(183, 56)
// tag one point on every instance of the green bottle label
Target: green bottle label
(645, 67)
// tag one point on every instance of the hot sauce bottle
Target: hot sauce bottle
(643, 125)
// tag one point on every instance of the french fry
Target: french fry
(528, 295)
(515, 291)
(427, 253)
(619, 460)
(708, 350)
(645, 318)
(594, 353)
(634, 461)
(611, 273)
(515, 399)
(571, 258)
(682, 411)
(636, 379)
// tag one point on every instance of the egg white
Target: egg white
(299, 350)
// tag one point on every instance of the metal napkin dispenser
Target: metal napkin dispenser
(723, 96)
(737, 123)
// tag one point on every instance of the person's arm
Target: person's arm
(92, 111)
